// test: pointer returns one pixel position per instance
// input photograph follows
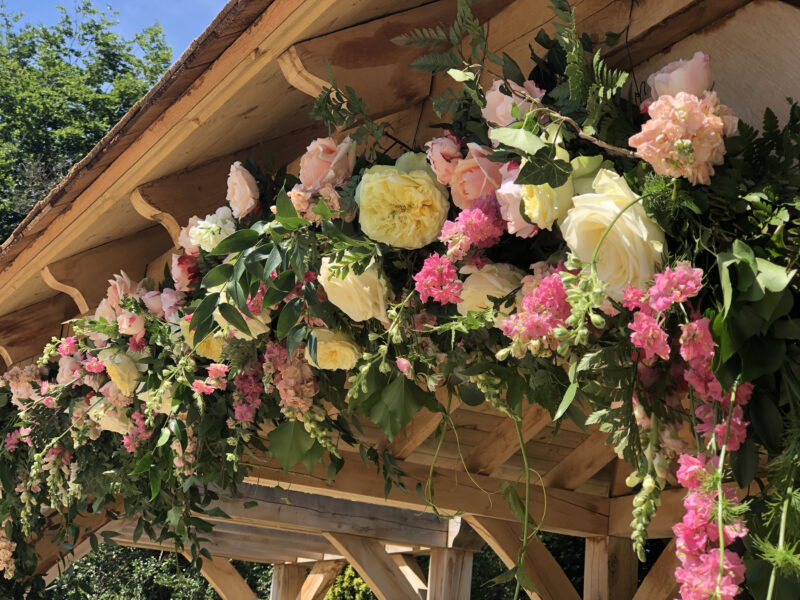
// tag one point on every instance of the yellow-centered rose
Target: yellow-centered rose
(121, 369)
(335, 350)
(403, 206)
(631, 251)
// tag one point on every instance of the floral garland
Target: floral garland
(525, 256)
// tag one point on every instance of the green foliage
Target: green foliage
(61, 89)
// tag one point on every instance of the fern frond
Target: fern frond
(438, 62)
(424, 37)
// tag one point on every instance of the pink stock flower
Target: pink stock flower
(544, 307)
(137, 434)
(683, 137)
(648, 336)
(112, 393)
(692, 472)
(438, 280)
(675, 286)
(69, 369)
(296, 384)
(217, 370)
(480, 227)
(509, 197)
(696, 341)
(634, 299)
(247, 394)
(69, 345)
(184, 271)
(474, 177)
(201, 387)
(443, 154)
(404, 366)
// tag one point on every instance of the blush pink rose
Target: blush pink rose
(691, 76)
(152, 300)
(183, 237)
(122, 286)
(443, 154)
(509, 196)
(474, 177)
(130, 323)
(327, 163)
(172, 300)
(242, 191)
(184, 271)
(69, 369)
(498, 105)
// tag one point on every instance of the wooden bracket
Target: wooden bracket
(660, 581)
(410, 568)
(26, 331)
(320, 579)
(225, 579)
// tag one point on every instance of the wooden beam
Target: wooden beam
(563, 511)
(411, 570)
(287, 582)
(669, 513)
(225, 579)
(660, 581)
(422, 425)
(374, 565)
(87, 286)
(320, 579)
(505, 538)
(581, 464)
(610, 569)
(450, 574)
(502, 442)
(296, 511)
(26, 331)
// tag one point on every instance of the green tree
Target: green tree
(61, 89)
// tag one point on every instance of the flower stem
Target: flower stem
(608, 229)
(720, 492)
(781, 540)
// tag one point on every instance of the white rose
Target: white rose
(213, 229)
(495, 280)
(631, 252)
(121, 369)
(360, 297)
(242, 191)
(335, 350)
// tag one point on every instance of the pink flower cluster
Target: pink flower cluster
(216, 380)
(683, 137)
(544, 307)
(292, 376)
(247, 394)
(697, 536)
(13, 439)
(438, 280)
(137, 434)
(673, 286)
(480, 227)
(697, 349)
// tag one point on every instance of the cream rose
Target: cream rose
(495, 280)
(242, 191)
(327, 163)
(121, 369)
(691, 76)
(631, 252)
(335, 350)
(360, 297)
(210, 348)
(403, 206)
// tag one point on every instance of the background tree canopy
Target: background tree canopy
(61, 89)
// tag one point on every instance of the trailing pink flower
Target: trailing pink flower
(697, 345)
(544, 307)
(438, 280)
(248, 387)
(137, 434)
(648, 336)
(480, 226)
(674, 286)
(635, 299)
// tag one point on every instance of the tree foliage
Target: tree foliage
(62, 87)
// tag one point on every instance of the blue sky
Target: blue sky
(182, 20)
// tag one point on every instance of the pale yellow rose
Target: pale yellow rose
(121, 369)
(335, 350)
(543, 204)
(496, 280)
(109, 418)
(631, 252)
(162, 404)
(210, 348)
(403, 206)
(360, 297)
(242, 191)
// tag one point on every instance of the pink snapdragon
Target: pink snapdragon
(438, 280)
(674, 286)
(92, 364)
(696, 341)
(247, 394)
(648, 336)
(480, 226)
(14, 438)
(137, 434)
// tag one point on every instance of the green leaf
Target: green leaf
(143, 464)
(470, 394)
(162, 439)
(566, 401)
(204, 312)
(285, 208)
(279, 288)
(544, 168)
(295, 336)
(273, 262)
(234, 317)
(511, 70)
(767, 421)
(289, 442)
(761, 356)
(217, 276)
(236, 242)
(174, 515)
(289, 316)
(396, 404)
(313, 456)
(461, 75)
(744, 463)
(520, 139)
(155, 483)
(322, 210)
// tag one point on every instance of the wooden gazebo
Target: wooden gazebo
(249, 81)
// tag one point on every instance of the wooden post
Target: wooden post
(226, 580)
(377, 568)
(287, 582)
(412, 572)
(450, 574)
(610, 569)
(660, 581)
(320, 579)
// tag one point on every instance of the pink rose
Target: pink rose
(171, 301)
(69, 369)
(690, 76)
(184, 271)
(130, 323)
(474, 177)
(443, 153)
(242, 191)
(183, 238)
(327, 163)
(152, 300)
(498, 105)
(122, 286)
(509, 196)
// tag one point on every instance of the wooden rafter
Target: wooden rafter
(422, 425)
(505, 538)
(581, 464)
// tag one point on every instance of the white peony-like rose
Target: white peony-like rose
(121, 369)
(335, 350)
(494, 280)
(242, 191)
(360, 297)
(631, 252)
(213, 229)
